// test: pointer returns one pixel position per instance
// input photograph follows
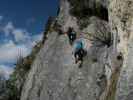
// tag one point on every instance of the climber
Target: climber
(71, 34)
(79, 51)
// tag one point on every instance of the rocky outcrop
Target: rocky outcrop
(121, 19)
(106, 71)
(54, 74)
(65, 19)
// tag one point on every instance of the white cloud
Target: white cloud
(36, 38)
(5, 71)
(19, 34)
(8, 28)
(10, 52)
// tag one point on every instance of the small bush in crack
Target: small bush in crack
(102, 35)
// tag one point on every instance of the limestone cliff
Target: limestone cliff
(121, 19)
(106, 72)
(54, 74)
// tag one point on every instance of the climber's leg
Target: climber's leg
(80, 64)
(76, 55)
(81, 54)
(71, 39)
(80, 59)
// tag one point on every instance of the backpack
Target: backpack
(78, 45)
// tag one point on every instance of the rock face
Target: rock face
(54, 75)
(121, 19)
(106, 72)
(64, 17)
(46, 76)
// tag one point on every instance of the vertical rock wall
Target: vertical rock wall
(64, 17)
(55, 76)
(121, 20)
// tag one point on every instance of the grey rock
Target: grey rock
(55, 76)
(121, 19)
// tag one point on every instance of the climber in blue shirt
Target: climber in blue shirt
(79, 51)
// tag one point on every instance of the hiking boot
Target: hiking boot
(80, 64)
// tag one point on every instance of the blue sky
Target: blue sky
(21, 26)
